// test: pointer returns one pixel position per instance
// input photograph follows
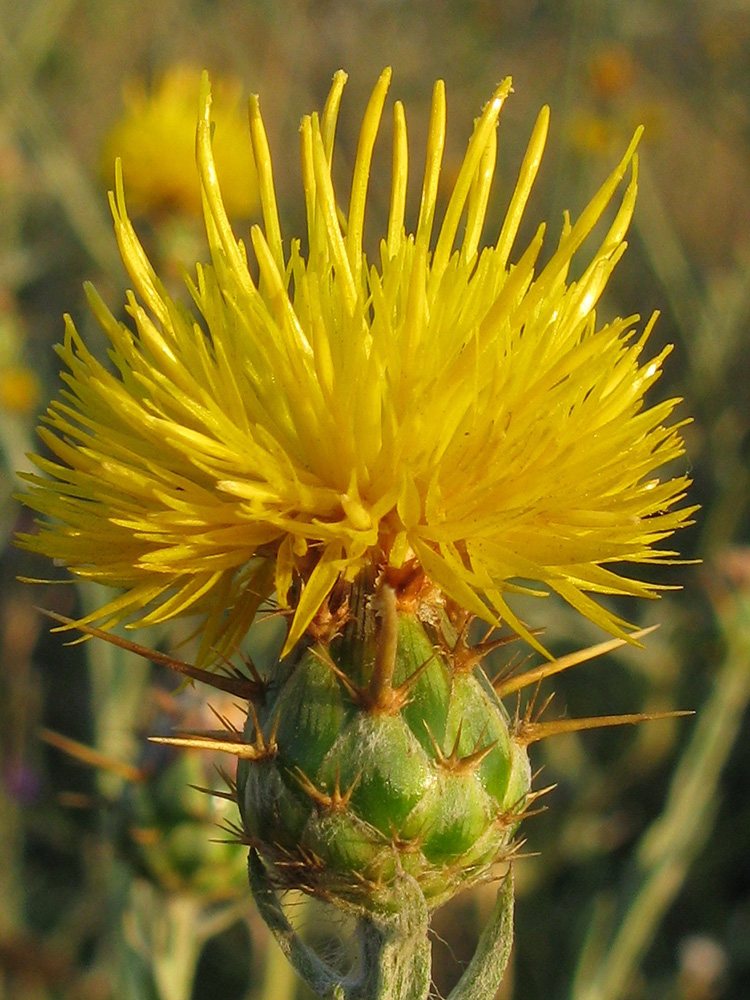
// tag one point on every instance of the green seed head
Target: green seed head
(171, 835)
(381, 754)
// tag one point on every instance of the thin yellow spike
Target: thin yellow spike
(87, 755)
(474, 154)
(400, 180)
(526, 178)
(433, 161)
(314, 228)
(286, 317)
(478, 198)
(266, 185)
(509, 685)
(317, 588)
(326, 199)
(245, 751)
(416, 308)
(360, 181)
(131, 249)
(576, 234)
(210, 186)
(594, 278)
(624, 214)
(532, 732)
(240, 686)
(331, 112)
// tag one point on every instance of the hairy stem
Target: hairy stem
(395, 952)
(486, 969)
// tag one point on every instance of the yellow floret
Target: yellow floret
(450, 407)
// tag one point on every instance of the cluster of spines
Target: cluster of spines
(249, 686)
(303, 868)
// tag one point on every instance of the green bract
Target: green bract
(376, 757)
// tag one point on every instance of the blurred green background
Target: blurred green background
(635, 883)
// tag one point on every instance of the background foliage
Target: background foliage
(637, 880)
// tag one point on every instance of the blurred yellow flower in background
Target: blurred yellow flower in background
(438, 413)
(155, 139)
(20, 388)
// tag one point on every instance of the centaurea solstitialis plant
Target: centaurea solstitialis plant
(389, 450)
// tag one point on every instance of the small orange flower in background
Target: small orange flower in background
(155, 140)
(615, 99)
(610, 72)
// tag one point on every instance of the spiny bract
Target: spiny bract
(381, 751)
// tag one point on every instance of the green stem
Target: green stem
(487, 967)
(175, 957)
(395, 951)
(279, 981)
(160, 944)
(396, 956)
(319, 976)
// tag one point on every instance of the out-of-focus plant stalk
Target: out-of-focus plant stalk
(672, 843)
(63, 174)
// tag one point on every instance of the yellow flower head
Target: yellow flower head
(155, 140)
(19, 389)
(439, 411)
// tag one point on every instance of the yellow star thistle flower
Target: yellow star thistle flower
(155, 140)
(440, 411)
